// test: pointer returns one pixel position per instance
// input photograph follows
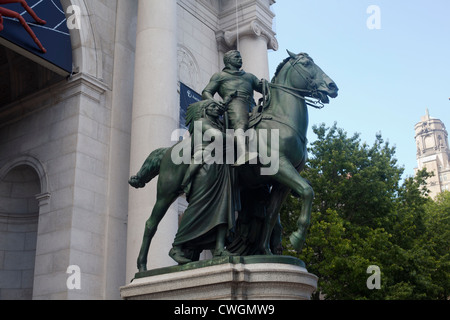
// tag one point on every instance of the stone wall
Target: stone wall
(76, 136)
(77, 132)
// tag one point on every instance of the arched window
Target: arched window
(19, 213)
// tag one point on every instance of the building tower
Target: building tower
(433, 152)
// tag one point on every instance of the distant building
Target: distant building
(433, 153)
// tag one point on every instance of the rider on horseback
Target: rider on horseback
(236, 88)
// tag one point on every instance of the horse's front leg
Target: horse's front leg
(290, 178)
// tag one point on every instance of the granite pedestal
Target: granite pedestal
(226, 278)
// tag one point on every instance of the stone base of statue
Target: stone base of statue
(226, 278)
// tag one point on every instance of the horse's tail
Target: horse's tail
(149, 169)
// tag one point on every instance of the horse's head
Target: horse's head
(308, 76)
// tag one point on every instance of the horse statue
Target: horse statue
(298, 82)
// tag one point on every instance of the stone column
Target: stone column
(253, 45)
(154, 117)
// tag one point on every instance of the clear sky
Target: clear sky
(387, 77)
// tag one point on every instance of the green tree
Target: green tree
(363, 215)
(357, 180)
(437, 240)
(413, 265)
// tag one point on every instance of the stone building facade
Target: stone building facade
(69, 144)
(433, 152)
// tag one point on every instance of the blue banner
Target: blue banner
(54, 35)
(187, 97)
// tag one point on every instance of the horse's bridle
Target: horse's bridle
(300, 93)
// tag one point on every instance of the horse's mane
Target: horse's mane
(280, 66)
(283, 63)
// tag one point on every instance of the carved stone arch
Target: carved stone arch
(24, 199)
(34, 163)
(86, 46)
(188, 68)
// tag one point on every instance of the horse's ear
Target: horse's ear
(293, 55)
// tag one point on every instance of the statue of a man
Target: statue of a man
(236, 88)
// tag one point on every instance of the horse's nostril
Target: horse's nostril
(332, 86)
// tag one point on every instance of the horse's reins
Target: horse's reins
(313, 102)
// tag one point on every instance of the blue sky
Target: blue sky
(387, 77)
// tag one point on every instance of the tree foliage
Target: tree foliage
(363, 215)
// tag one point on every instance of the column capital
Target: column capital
(250, 19)
(226, 40)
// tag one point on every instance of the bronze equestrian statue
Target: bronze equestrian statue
(281, 124)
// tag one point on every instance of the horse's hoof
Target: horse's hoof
(142, 268)
(296, 241)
